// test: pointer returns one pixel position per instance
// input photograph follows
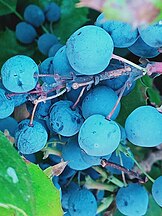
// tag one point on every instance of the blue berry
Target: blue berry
(45, 42)
(53, 50)
(18, 74)
(79, 199)
(126, 161)
(157, 190)
(52, 12)
(64, 120)
(132, 200)
(30, 139)
(144, 127)
(89, 50)
(10, 124)
(25, 33)
(46, 67)
(6, 105)
(98, 136)
(61, 64)
(100, 100)
(34, 15)
(71, 152)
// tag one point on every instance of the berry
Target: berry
(25, 33)
(30, 139)
(34, 15)
(83, 56)
(132, 200)
(19, 74)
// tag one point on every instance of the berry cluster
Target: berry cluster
(73, 101)
(34, 18)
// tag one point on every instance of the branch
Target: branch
(136, 175)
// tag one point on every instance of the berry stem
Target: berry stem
(44, 29)
(140, 167)
(33, 113)
(123, 175)
(154, 67)
(43, 100)
(36, 91)
(127, 152)
(108, 117)
(78, 99)
(105, 176)
(105, 163)
(129, 62)
(44, 75)
(51, 28)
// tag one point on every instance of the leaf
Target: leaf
(15, 182)
(24, 187)
(5, 212)
(48, 201)
(130, 102)
(7, 6)
(10, 46)
(71, 19)
(55, 170)
(152, 92)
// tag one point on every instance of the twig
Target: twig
(129, 63)
(78, 99)
(42, 100)
(105, 163)
(108, 117)
(123, 175)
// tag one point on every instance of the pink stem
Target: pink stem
(155, 67)
(108, 117)
(78, 99)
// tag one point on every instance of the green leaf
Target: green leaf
(130, 102)
(152, 92)
(7, 6)
(72, 18)
(15, 184)
(10, 46)
(24, 187)
(47, 196)
(7, 211)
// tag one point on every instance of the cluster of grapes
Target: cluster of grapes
(34, 17)
(144, 41)
(74, 99)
